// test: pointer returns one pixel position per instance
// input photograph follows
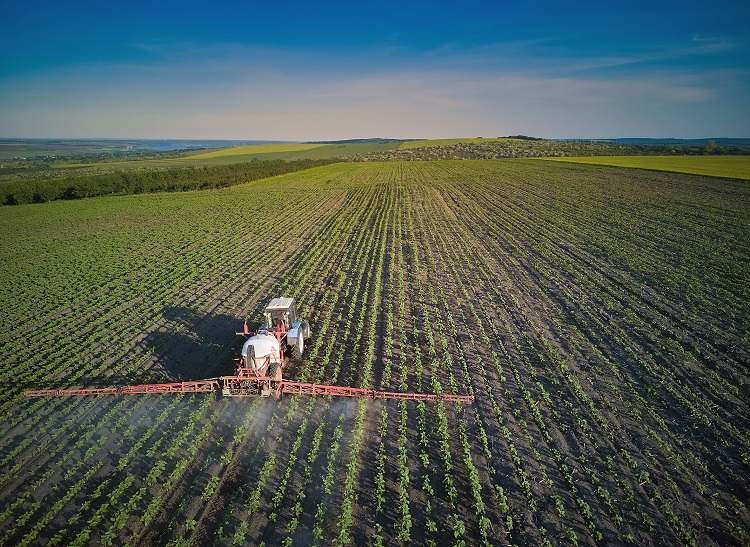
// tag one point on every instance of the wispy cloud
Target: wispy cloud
(242, 91)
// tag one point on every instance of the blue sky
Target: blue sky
(337, 70)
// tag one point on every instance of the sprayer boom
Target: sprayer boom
(239, 386)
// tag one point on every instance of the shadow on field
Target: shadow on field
(193, 346)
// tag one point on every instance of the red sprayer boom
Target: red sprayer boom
(236, 386)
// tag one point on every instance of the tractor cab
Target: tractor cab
(280, 315)
(280, 320)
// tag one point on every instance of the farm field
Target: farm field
(718, 166)
(44, 161)
(690, 158)
(254, 149)
(235, 154)
(599, 316)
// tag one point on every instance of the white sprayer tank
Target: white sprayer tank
(264, 345)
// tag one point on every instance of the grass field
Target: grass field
(718, 166)
(599, 316)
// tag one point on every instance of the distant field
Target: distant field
(736, 167)
(107, 160)
(305, 152)
(59, 148)
(254, 149)
(55, 167)
(237, 154)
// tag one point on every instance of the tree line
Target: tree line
(143, 182)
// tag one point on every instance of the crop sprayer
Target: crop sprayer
(260, 368)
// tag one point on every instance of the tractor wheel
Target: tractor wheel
(299, 347)
(304, 328)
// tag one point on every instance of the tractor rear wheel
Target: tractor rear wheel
(299, 346)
